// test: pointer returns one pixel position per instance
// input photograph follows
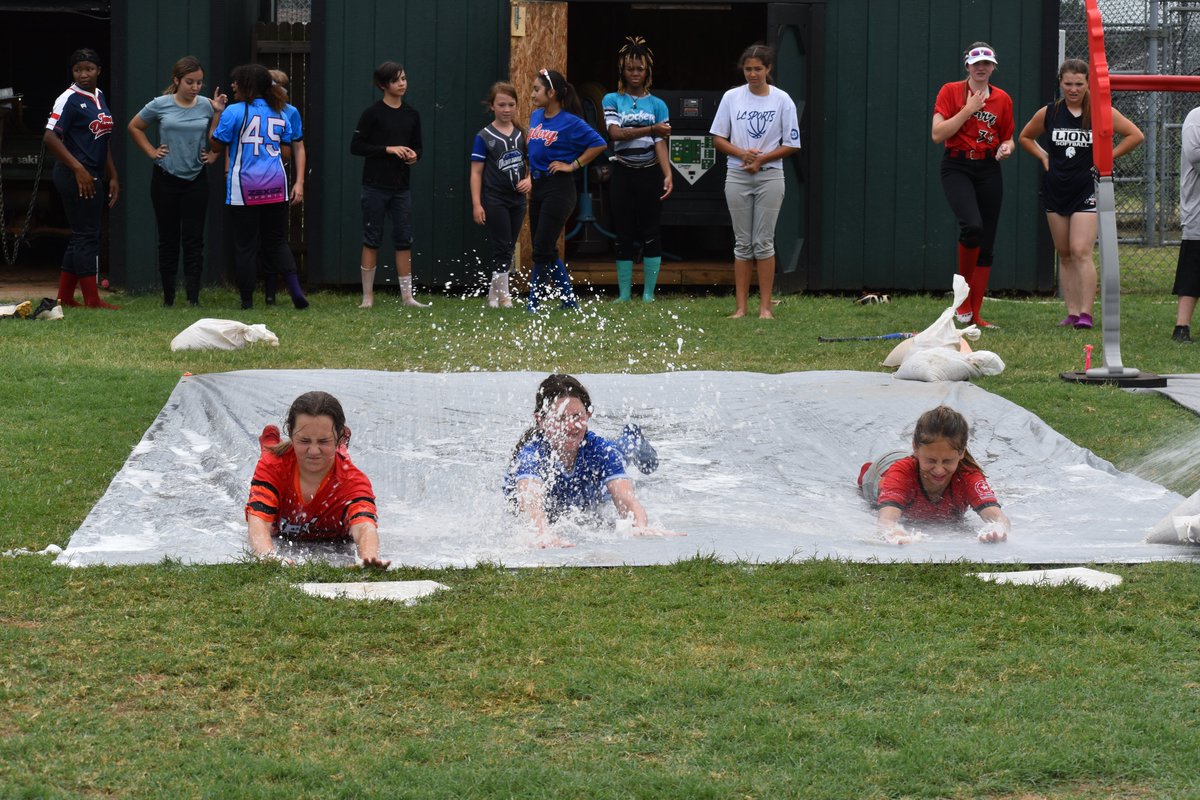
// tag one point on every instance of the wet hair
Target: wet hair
(85, 54)
(553, 389)
(564, 92)
(1077, 66)
(184, 66)
(635, 49)
(314, 404)
(387, 72)
(763, 53)
(254, 81)
(944, 422)
(505, 88)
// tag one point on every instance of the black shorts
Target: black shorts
(1076, 197)
(1187, 271)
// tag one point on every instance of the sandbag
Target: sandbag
(221, 334)
(949, 365)
(1181, 526)
(941, 333)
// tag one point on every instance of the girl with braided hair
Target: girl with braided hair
(638, 124)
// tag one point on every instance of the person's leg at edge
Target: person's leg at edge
(400, 210)
(194, 211)
(278, 255)
(371, 201)
(650, 230)
(989, 191)
(559, 203)
(741, 215)
(366, 268)
(959, 189)
(244, 222)
(167, 203)
(68, 278)
(85, 245)
(1186, 288)
(537, 270)
(1084, 227)
(516, 217)
(623, 214)
(1060, 233)
(768, 200)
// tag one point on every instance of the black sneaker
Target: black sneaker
(1182, 334)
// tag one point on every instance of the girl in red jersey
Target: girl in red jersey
(975, 122)
(307, 489)
(937, 482)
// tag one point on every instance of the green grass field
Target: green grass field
(698, 679)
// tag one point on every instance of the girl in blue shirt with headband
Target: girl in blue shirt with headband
(559, 466)
(560, 143)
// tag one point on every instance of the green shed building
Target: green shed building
(864, 201)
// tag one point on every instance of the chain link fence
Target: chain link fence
(292, 11)
(1145, 37)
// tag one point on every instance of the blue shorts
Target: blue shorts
(378, 204)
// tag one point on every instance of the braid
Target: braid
(635, 47)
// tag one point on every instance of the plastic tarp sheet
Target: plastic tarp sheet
(754, 467)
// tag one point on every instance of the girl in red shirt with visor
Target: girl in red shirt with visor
(974, 120)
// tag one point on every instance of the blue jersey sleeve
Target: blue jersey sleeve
(229, 123)
(293, 117)
(479, 149)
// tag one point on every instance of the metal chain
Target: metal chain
(11, 258)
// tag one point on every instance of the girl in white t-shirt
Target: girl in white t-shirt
(756, 127)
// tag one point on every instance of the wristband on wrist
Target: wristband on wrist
(578, 165)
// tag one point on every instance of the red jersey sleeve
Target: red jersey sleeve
(976, 489)
(270, 479)
(950, 99)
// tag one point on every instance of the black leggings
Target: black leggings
(504, 217)
(180, 206)
(550, 205)
(636, 210)
(974, 190)
(268, 221)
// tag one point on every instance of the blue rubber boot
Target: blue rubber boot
(650, 267)
(624, 280)
(535, 278)
(293, 284)
(562, 281)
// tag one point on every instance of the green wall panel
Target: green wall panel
(886, 220)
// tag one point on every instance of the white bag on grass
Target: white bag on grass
(221, 334)
(1181, 526)
(941, 333)
(949, 365)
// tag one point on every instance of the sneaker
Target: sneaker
(1084, 322)
(637, 450)
(1182, 334)
(1069, 321)
(983, 323)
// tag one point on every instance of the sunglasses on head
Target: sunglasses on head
(986, 52)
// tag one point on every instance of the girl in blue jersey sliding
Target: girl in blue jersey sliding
(560, 143)
(255, 129)
(559, 466)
